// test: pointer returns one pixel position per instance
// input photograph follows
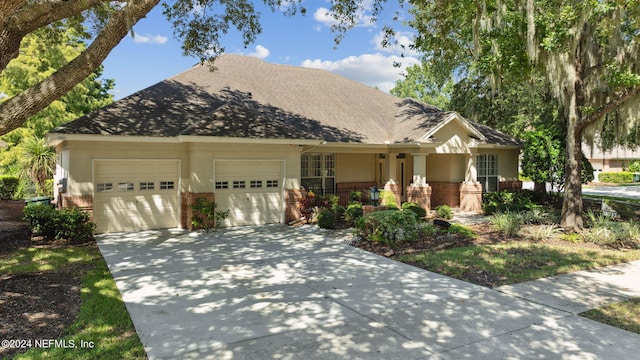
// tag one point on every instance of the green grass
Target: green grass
(624, 315)
(516, 262)
(103, 320)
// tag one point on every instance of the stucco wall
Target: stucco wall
(355, 167)
(454, 138)
(446, 168)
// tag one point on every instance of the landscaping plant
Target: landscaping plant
(70, 224)
(415, 208)
(206, 215)
(389, 226)
(444, 212)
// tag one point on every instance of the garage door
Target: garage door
(136, 195)
(250, 190)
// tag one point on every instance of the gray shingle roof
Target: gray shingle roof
(249, 98)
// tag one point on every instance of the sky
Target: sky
(153, 54)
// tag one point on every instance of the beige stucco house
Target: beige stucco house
(251, 135)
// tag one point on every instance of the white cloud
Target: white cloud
(399, 44)
(361, 18)
(260, 52)
(322, 15)
(370, 69)
(149, 39)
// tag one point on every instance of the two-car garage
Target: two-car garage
(145, 194)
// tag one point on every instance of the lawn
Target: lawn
(102, 328)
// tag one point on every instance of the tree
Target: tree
(199, 24)
(422, 83)
(588, 51)
(38, 161)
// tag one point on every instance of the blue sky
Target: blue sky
(153, 54)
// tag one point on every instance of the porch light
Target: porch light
(374, 193)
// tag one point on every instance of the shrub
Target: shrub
(634, 166)
(206, 215)
(355, 196)
(537, 216)
(8, 186)
(389, 226)
(353, 212)
(415, 208)
(338, 211)
(462, 230)
(71, 224)
(444, 212)
(507, 222)
(543, 232)
(621, 177)
(326, 219)
(329, 201)
(507, 201)
(388, 198)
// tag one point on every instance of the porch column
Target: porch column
(392, 166)
(419, 169)
(471, 173)
(470, 189)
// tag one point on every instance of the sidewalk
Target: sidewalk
(582, 290)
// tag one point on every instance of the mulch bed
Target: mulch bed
(33, 306)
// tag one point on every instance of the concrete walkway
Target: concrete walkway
(277, 292)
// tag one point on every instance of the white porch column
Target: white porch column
(471, 173)
(419, 169)
(392, 166)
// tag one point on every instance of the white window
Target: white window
(167, 185)
(318, 172)
(487, 166)
(147, 185)
(104, 187)
(125, 186)
(239, 184)
(256, 184)
(272, 183)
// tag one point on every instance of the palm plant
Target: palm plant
(38, 161)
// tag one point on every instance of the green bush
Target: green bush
(444, 212)
(338, 211)
(326, 219)
(621, 177)
(70, 224)
(8, 186)
(634, 166)
(390, 226)
(353, 212)
(415, 208)
(388, 198)
(206, 215)
(507, 222)
(507, 201)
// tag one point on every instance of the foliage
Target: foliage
(69, 223)
(206, 215)
(571, 237)
(417, 209)
(621, 177)
(633, 166)
(8, 186)
(389, 226)
(422, 83)
(462, 230)
(543, 232)
(38, 162)
(444, 212)
(507, 201)
(624, 211)
(353, 212)
(326, 219)
(355, 196)
(388, 198)
(507, 222)
(604, 230)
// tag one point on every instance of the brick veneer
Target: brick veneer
(445, 194)
(510, 185)
(293, 198)
(188, 199)
(83, 202)
(421, 195)
(470, 197)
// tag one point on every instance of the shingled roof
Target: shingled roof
(249, 98)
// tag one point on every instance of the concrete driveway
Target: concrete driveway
(277, 292)
(629, 192)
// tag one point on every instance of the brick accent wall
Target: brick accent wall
(445, 194)
(292, 200)
(368, 209)
(510, 185)
(471, 197)
(82, 202)
(186, 200)
(421, 195)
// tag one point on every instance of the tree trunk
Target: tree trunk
(572, 202)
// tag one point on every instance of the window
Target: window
(241, 184)
(147, 185)
(104, 187)
(317, 172)
(167, 185)
(222, 184)
(125, 186)
(272, 183)
(487, 166)
(256, 184)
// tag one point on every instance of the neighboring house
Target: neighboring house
(251, 135)
(616, 159)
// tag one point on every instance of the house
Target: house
(251, 135)
(613, 160)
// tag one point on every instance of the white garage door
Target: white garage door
(250, 190)
(136, 195)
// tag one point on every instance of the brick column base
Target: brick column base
(188, 199)
(470, 197)
(368, 209)
(421, 195)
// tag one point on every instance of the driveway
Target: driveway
(277, 292)
(629, 192)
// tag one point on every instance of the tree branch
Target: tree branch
(38, 14)
(17, 109)
(608, 107)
